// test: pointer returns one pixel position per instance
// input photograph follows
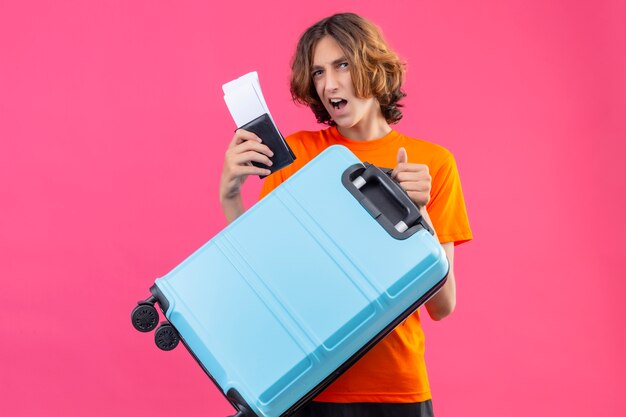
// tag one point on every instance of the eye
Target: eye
(316, 73)
(343, 65)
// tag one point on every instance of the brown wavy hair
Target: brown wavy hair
(375, 69)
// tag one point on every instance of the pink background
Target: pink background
(112, 132)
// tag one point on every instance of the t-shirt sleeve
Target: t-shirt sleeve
(446, 207)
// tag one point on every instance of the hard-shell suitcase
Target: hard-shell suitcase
(289, 295)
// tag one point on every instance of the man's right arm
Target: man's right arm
(232, 208)
(244, 148)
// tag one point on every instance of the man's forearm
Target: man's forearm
(442, 304)
(232, 207)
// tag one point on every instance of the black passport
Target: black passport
(264, 128)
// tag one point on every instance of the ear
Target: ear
(402, 157)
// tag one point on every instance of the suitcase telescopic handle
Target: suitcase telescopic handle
(384, 199)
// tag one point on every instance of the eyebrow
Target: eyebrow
(335, 62)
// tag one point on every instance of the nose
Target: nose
(331, 82)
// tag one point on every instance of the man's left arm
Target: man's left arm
(416, 181)
(443, 302)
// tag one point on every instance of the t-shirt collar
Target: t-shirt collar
(363, 144)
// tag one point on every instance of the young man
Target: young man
(345, 72)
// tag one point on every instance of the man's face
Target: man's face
(333, 83)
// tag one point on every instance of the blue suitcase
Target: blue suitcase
(288, 296)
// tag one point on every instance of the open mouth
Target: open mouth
(337, 103)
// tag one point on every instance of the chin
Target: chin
(346, 124)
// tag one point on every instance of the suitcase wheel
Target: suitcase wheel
(166, 337)
(145, 317)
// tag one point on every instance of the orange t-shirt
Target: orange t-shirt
(394, 370)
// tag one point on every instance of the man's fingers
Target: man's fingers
(245, 157)
(242, 170)
(411, 167)
(404, 166)
(415, 186)
(251, 145)
(242, 135)
(422, 175)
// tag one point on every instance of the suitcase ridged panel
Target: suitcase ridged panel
(305, 279)
(311, 289)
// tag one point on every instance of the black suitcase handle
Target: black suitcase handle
(384, 200)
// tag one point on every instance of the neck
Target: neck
(369, 129)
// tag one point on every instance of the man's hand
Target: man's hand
(244, 148)
(413, 178)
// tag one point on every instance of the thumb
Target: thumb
(402, 157)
